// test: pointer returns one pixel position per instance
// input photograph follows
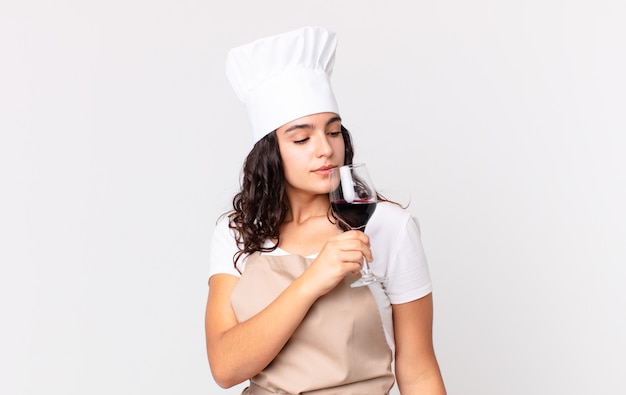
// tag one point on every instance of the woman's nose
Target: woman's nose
(323, 147)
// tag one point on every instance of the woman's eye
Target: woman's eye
(334, 134)
(301, 141)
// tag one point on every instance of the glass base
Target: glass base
(367, 279)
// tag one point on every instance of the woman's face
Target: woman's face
(309, 147)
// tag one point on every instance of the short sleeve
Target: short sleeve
(398, 253)
(222, 250)
(407, 272)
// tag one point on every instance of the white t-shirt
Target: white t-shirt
(394, 240)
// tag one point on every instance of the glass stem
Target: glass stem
(365, 269)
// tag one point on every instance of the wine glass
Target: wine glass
(353, 199)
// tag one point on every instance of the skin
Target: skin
(417, 370)
(310, 146)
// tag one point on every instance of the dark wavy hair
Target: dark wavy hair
(260, 207)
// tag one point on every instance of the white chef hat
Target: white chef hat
(284, 77)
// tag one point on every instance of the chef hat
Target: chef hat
(284, 77)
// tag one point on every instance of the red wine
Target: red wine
(355, 214)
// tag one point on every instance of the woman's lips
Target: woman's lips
(324, 170)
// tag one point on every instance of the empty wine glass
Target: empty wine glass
(353, 199)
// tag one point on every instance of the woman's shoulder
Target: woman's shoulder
(389, 214)
(223, 248)
(390, 222)
(222, 232)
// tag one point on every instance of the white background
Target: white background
(121, 142)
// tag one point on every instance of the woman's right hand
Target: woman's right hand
(342, 254)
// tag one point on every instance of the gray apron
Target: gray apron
(340, 346)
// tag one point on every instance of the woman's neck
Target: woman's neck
(301, 208)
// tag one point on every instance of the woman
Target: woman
(280, 310)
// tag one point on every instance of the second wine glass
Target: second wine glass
(353, 199)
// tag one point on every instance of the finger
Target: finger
(355, 248)
(354, 235)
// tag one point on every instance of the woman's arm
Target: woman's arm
(417, 370)
(238, 351)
